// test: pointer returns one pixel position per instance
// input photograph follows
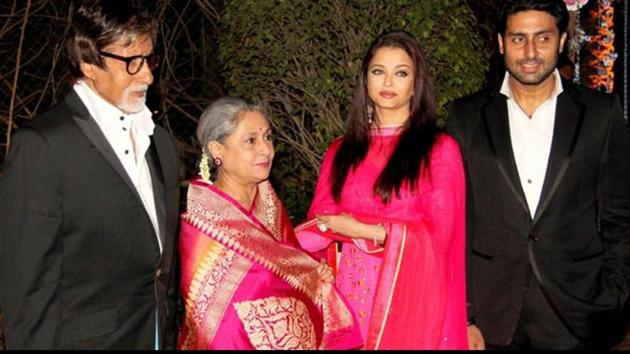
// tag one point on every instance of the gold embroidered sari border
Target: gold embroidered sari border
(229, 239)
(211, 290)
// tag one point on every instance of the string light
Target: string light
(602, 46)
(579, 37)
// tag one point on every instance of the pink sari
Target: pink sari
(247, 285)
(410, 293)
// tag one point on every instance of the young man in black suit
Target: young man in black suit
(548, 194)
(89, 201)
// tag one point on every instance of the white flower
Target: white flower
(574, 5)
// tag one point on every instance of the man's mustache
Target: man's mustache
(139, 88)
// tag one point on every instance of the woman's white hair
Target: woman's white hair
(219, 120)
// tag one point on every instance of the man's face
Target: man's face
(114, 84)
(531, 46)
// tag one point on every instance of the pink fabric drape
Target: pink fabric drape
(246, 284)
(412, 291)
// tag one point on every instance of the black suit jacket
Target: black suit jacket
(578, 241)
(80, 265)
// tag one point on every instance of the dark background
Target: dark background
(190, 75)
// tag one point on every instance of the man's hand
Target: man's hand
(475, 338)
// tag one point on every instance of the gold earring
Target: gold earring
(370, 112)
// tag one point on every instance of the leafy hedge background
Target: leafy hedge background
(299, 59)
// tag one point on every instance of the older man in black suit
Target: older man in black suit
(89, 201)
(548, 194)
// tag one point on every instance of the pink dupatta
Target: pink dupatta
(246, 285)
(419, 299)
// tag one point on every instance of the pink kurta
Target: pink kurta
(410, 293)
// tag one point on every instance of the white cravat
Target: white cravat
(129, 136)
(531, 140)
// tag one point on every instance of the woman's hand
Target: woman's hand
(343, 224)
(325, 272)
(346, 225)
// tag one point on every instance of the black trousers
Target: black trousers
(539, 327)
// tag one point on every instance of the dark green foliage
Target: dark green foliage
(299, 59)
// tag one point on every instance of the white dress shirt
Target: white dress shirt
(118, 127)
(531, 140)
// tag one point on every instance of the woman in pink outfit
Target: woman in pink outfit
(389, 207)
(245, 282)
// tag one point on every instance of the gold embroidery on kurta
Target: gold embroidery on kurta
(277, 323)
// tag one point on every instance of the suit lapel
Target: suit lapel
(159, 189)
(90, 128)
(569, 115)
(495, 116)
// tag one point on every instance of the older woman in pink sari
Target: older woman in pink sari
(246, 283)
(389, 207)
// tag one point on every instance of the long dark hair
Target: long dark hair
(418, 135)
